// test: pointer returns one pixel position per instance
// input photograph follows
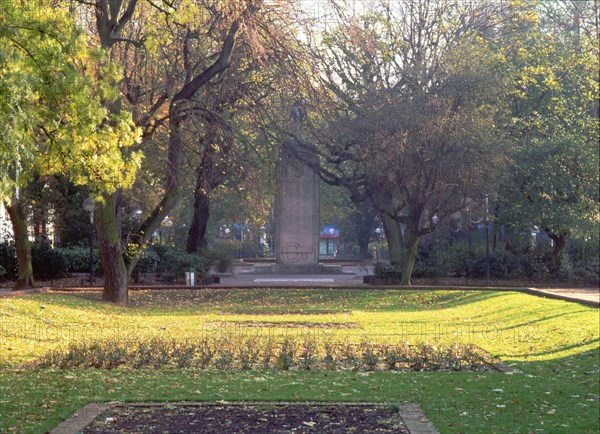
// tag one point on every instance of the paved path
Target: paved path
(587, 296)
(352, 277)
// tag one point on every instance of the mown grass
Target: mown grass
(554, 343)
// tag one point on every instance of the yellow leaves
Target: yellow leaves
(522, 53)
(52, 118)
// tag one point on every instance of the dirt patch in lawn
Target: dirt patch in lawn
(285, 312)
(249, 419)
(285, 324)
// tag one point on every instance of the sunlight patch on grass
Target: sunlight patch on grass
(554, 343)
(509, 325)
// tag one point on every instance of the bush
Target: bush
(566, 270)
(48, 263)
(2, 272)
(173, 263)
(249, 249)
(585, 259)
(387, 274)
(503, 264)
(221, 255)
(78, 258)
(534, 264)
(148, 262)
(442, 260)
(8, 260)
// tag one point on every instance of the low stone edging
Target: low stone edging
(411, 414)
(20, 292)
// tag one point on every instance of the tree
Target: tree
(553, 66)
(232, 112)
(194, 43)
(51, 119)
(357, 219)
(112, 19)
(412, 116)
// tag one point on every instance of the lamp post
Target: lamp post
(464, 216)
(90, 206)
(487, 241)
(379, 232)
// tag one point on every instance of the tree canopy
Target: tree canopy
(51, 118)
(417, 109)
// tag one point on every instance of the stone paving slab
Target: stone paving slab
(80, 419)
(415, 420)
(589, 297)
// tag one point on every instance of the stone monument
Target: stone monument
(297, 214)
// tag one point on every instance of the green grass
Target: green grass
(554, 343)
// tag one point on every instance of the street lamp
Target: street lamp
(467, 210)
(487, 241)
(90, 206)
(379, 231)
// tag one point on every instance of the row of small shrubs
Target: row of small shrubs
(459, 262)
(257, 352)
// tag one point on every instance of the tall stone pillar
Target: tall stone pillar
(297, 216)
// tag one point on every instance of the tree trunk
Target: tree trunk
(393, 235)
(169, 199)
(18, 219)
(196, 240)
(409, 252)
(556, 259)
(364, 224)
(111, 253)
(363, 246)
(116, 265)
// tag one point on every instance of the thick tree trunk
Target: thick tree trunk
(18, 219)
(117, 266)
(363, 246)
(196, 240)
(393, 235)
(364, 225)
(556, 259)
(111, 252)
(409, 253)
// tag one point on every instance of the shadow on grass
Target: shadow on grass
(559, 395)
(567, 348)
(341, 300)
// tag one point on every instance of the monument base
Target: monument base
(297, 269)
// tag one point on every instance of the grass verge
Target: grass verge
(554, 343)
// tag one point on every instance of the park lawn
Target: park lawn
(554, 343)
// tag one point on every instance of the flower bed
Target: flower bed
(268, 352)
